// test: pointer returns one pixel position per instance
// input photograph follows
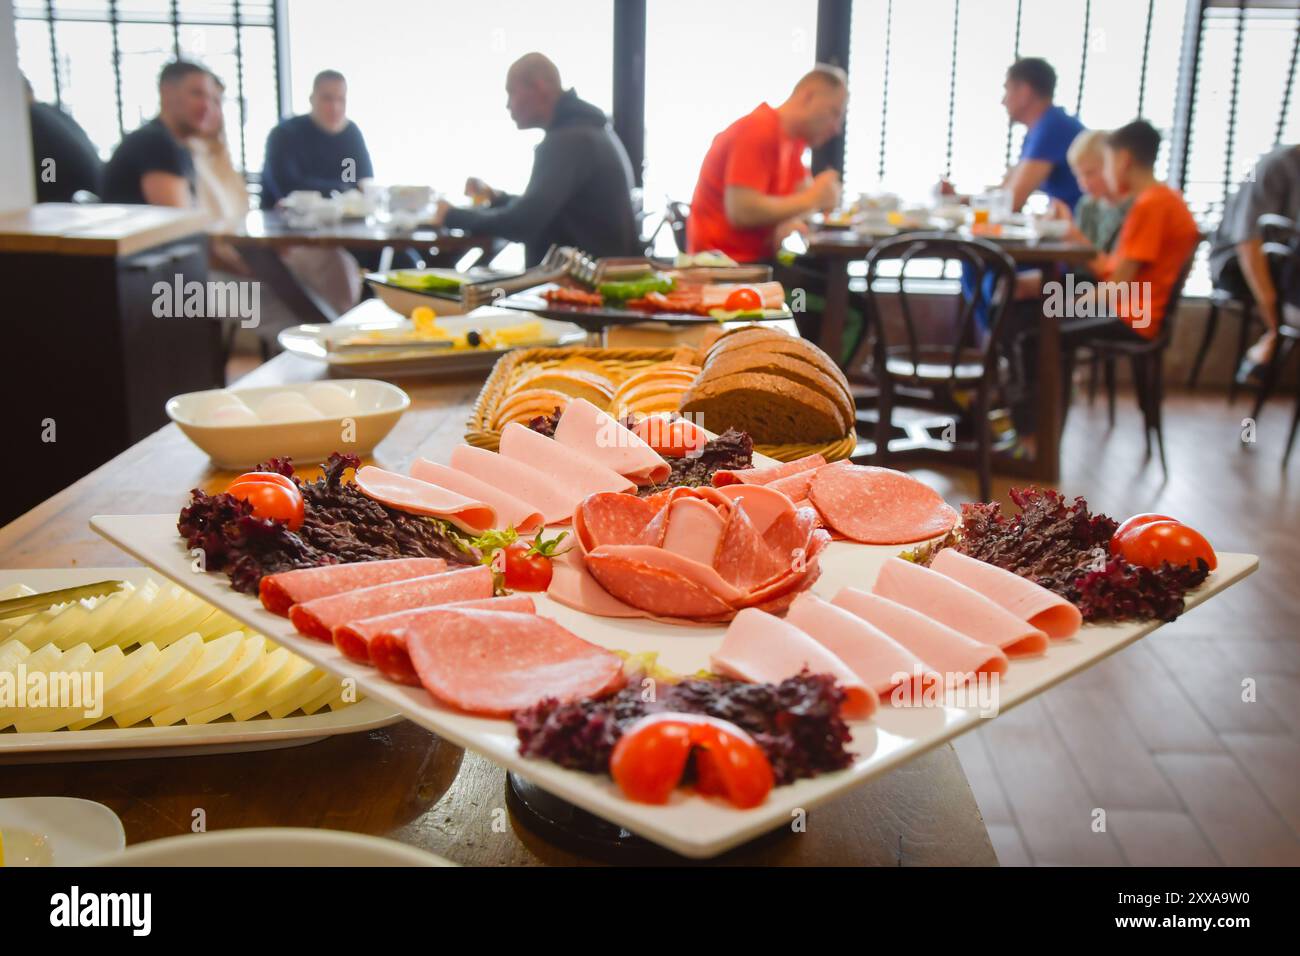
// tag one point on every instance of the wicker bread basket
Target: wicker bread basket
(621, 363)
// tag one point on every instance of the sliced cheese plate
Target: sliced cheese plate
(689, 824)
(108, 742)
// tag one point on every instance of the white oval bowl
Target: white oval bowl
(239, 447)
(273, 846)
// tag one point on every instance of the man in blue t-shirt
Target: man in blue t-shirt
(1030, 86)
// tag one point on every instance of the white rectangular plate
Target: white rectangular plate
(145, 740)
(691, 825)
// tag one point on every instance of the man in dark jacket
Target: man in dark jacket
(580, 191)
(64, 158)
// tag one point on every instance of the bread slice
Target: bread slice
(746, 333)
(576, 383)
(526, 404)
(772, 409)
(771, 362)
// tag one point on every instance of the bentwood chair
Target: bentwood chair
(949, 366)
(1282, 249)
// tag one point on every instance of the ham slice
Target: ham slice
(1049, 612)
(767, 473)
(511, 511)
(570, 470)
(879, 505)
(593, 433)
(879, 661)
(496, 662)
(521, 479)
(357, 640)
(404, 493)
(958, 606)
(693, 530)
(948, 651)
(763, 505)
(319, 617)
(763, 649)
(280, 591)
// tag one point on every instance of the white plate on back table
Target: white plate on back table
(179, 740)
(691, 825)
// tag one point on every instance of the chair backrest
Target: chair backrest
(1166, 333)
(989, 278)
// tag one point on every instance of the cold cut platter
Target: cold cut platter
(646, 620)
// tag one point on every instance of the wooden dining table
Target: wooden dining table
(263, 234)
(402, 781)
(836, 249)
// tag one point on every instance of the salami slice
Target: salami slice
(496, 662)
(356, 640)
(660, 582)
(768, 473)
(796, 486)
(611, 518)
(744, 559)
(879, 505)
(573, 586)
(789, 535)
(280, 591)
(318, 618)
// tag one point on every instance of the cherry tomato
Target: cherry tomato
(648, 761)
(1131, 525)
(272, 496)
(1152, 544)
(743, 299)
(523, 568)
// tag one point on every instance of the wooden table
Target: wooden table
(403, 781)
(837, 248)
(264, 234)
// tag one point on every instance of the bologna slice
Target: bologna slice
(388, 648)
(519, 478)
(879, 661)
(318, 618)
(768, 473)
(948, 651)
(355, 640)
(494, 663)
(593, 433)
(281, 591)
(569, 469)
(962, 608)
(763, 649)
(879, 505)
(404, 493)
(511, 511)
(1049, 612)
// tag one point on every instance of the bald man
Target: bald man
(580, 191)
(754, 185)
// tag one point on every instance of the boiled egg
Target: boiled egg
(239, 414)
(331, 399)
(286, 407)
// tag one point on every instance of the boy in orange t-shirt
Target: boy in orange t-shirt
(1155, 243)
(753, 181)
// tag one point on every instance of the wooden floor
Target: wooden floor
(1158, 736)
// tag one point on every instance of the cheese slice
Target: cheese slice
(123, 682)
(171, 666)
(247, 664)
(296, 677)
(45, 719)
(271, 667)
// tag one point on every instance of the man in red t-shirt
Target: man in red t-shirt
(754, 185)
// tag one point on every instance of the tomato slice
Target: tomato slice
(1152, 544)
(743, 299)
(648, 761)
(272, 496)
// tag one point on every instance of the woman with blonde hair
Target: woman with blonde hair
(1100, 214)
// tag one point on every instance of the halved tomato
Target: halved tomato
(1156, 542)
(272, 496)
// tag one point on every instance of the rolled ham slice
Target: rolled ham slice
(511, 511)
(762, 649)
(767, 473)
(496, 662)
(519, 478)
(404, 493)
(280, 591)
(569, 469)
(948, 651)
(357, 640)
(593, 433)
(879, 661)
(318, 618)
(1049, 612)
(958, 606)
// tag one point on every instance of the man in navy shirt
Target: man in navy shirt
(1029, 88)
(322, 150)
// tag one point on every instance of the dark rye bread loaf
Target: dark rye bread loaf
(772, 362)
(774, 410)
(798, 348)
(746, 333)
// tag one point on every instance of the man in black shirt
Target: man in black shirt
(580, 191)
(64, 158)
(152, 165)
(323, 150)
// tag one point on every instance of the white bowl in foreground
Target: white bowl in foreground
(57, 831)
(273, 846)
(305, 422)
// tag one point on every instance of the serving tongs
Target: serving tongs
(31, 603)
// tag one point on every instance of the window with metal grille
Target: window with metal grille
(99, 61)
